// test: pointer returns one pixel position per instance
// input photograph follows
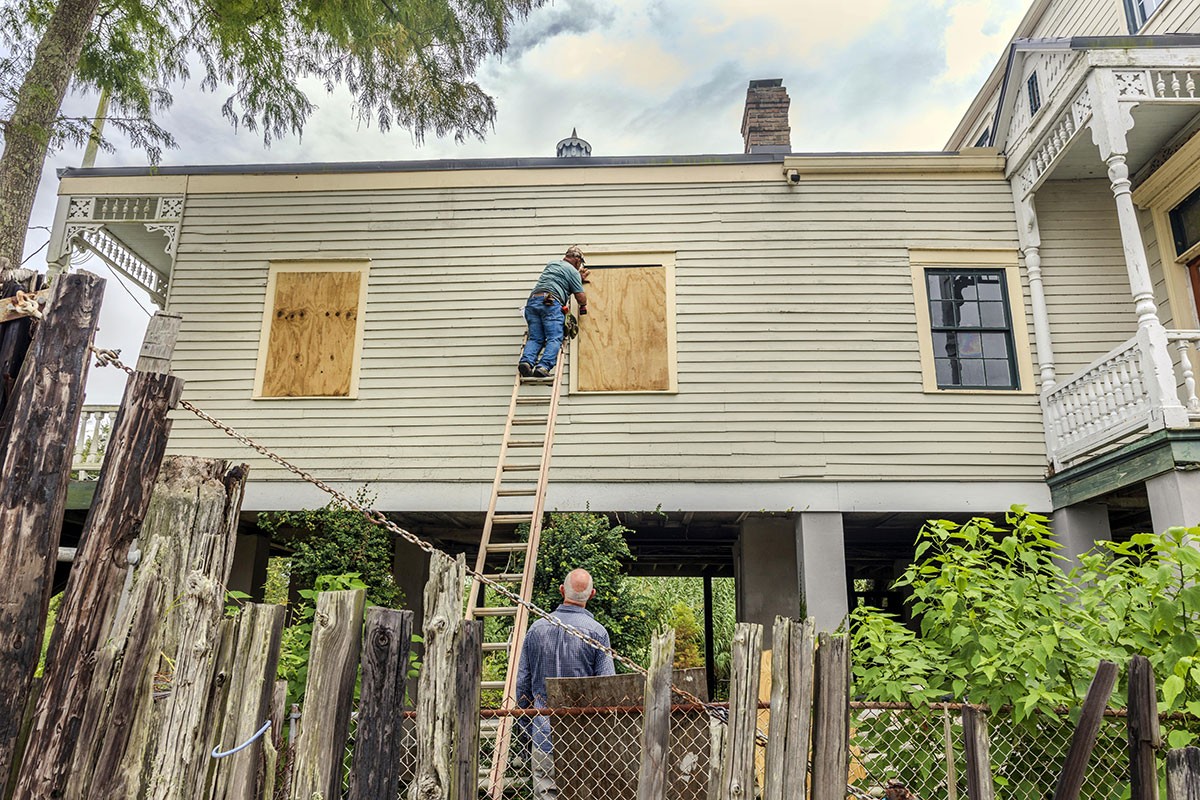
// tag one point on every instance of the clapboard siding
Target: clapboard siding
(1084, 273)
(797, 338)
(1081, 18)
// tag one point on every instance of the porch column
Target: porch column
(821, 556)
(1030, 238)
(1174, 499)
(766, 581)
(1078, 527)
(1111, 121)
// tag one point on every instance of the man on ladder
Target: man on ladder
(546, 309)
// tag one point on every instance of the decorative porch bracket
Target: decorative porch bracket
(121, 259)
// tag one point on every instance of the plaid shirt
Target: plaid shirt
(549, 652)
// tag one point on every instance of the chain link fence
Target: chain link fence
(595, 752)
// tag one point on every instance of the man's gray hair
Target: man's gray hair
(571, 592)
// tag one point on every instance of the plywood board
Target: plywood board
(623, 339)
(313, 324)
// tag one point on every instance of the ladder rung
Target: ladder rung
(511, 519)
(492, 647)
(535, 379)
(497, 611)
(529, 420)
(525, 442)
(522, 467)
(492, 685)
(505, 577)
(507, 547)
(516, 492)
(531, 401)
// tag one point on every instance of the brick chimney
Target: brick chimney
(765, 125)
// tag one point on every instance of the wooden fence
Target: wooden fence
(150, 690)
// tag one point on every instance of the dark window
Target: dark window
(1185, 223)
(1035, 94)
(971, 326)
(1138, 11)
(982, 141)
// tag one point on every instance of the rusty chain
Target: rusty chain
(106, 358)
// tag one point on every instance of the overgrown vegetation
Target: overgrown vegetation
(1001, 622)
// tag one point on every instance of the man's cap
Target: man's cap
(574, 250)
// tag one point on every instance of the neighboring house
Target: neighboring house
(805, 357)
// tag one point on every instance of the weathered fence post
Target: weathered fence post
(791, 709)
(831, 731)
(737, 766)
(378, 742)
(717, 739)
(656, 720)
(978, 752)
(1142, 727)
(332, 668)
(186, 547)
(1183, 774)
(469, 680)
(34, 476)
(436, 692)
(122, 497)
(243, 686)
(1070, 780)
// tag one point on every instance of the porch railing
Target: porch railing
(1110, 399)
(95, 428)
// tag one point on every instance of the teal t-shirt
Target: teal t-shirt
(560, 279)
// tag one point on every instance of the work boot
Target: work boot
(541, 372)
(525, 368)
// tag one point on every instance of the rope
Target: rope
(216, 751)
(111, 358)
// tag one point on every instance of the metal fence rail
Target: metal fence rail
(596, 751)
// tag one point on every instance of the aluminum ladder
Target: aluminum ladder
(522, 473)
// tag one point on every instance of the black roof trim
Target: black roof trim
(439, 165)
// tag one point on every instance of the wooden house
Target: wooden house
(792, 359)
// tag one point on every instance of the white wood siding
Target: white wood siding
(797, 350)
(1081, 18)
(1084, 273)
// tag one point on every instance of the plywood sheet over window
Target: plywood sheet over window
(627, 340)
(312, 330)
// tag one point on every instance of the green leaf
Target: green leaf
(1180, 738)
(1171, 689)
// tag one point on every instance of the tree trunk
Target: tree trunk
(27, 134)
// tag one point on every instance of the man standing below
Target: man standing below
(545, 310)
(550, 652)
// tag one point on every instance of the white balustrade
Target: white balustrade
(1109, 399)
(91, 442)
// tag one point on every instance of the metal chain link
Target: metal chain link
(112, 358)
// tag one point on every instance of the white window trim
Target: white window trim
(616, 258)
(922, 259)
(274, 268)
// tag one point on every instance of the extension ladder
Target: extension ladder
(522, 472)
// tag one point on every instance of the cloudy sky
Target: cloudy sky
(635, 77)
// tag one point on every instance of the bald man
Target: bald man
(550, 652)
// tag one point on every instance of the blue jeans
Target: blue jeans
(545, 332)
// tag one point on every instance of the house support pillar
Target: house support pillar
(1030, 238)
(1174, 499)
(1078, 527)
(1111, 121)
(249, 571)
(410, 568)
(766, 578)
(821, 559)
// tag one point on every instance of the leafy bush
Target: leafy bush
(1001, 623)
(297, 637)
(337, 540)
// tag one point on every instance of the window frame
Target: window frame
(1006, 261)
(630, 258)
(1033, 89)
(277, 266)
(1135, 14)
